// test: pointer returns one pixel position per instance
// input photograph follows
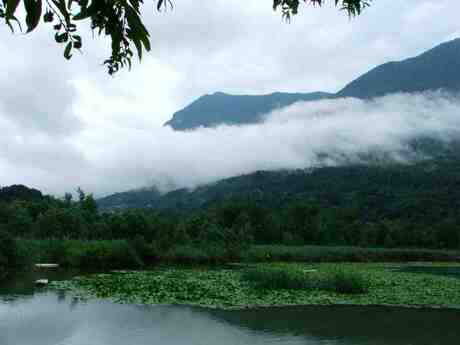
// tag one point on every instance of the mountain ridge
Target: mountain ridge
(223, 108)
(436, 68)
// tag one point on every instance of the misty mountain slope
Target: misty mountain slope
(438, 68)
(145, 197)
(222, 108)
(328, 185)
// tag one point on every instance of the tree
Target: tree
(118, 19)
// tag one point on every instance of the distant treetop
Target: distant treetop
(118, 19)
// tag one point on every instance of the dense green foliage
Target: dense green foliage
(346, 280)
(377, 206)
(6, 247)
(119, 19)
(291, 253)
(11, 254)
(224, 288)
(15, 192)
(390, 207)
(273, 277)
(438, 68)
(88, 255)
(221, 108)
(340, 279)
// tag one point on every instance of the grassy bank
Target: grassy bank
(122, 254)
(248, 287)
(276, 253)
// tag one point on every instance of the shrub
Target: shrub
(187, 254)
(278, 278)
(346, 281)
(89, 255)
(10, 254)
(103, 254)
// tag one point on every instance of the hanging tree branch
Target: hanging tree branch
(120, 20)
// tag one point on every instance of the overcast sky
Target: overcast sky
(67, 124)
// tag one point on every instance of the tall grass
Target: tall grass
(109, 254)
(84, 254)
(345, 280)
(338, 279)
(274, 253)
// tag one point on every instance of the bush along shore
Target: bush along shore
(273, 285)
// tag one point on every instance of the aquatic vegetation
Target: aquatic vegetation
(279, 277)
(230, 288)
(346, 280)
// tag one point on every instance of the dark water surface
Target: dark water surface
(29, 316)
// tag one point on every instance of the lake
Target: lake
(30, 316)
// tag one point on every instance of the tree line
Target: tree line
(430, 222)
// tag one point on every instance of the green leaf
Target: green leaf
(67, 51)
(61, 38)
(11, 6)
(77, 44)
(138, 45)
(34, 12)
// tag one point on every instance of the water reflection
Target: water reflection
(354, 325)
(46, 320)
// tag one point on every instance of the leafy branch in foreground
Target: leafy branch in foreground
(118, 19)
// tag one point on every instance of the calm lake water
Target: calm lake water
(29, 316)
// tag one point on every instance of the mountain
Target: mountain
(438, 68)
(221, 108)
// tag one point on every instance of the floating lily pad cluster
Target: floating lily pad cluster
(227, 288)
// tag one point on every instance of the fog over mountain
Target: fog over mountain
(298, 136)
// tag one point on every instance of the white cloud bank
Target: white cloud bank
(291, 137)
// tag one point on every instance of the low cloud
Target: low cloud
(112, 158)
(309, 134)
